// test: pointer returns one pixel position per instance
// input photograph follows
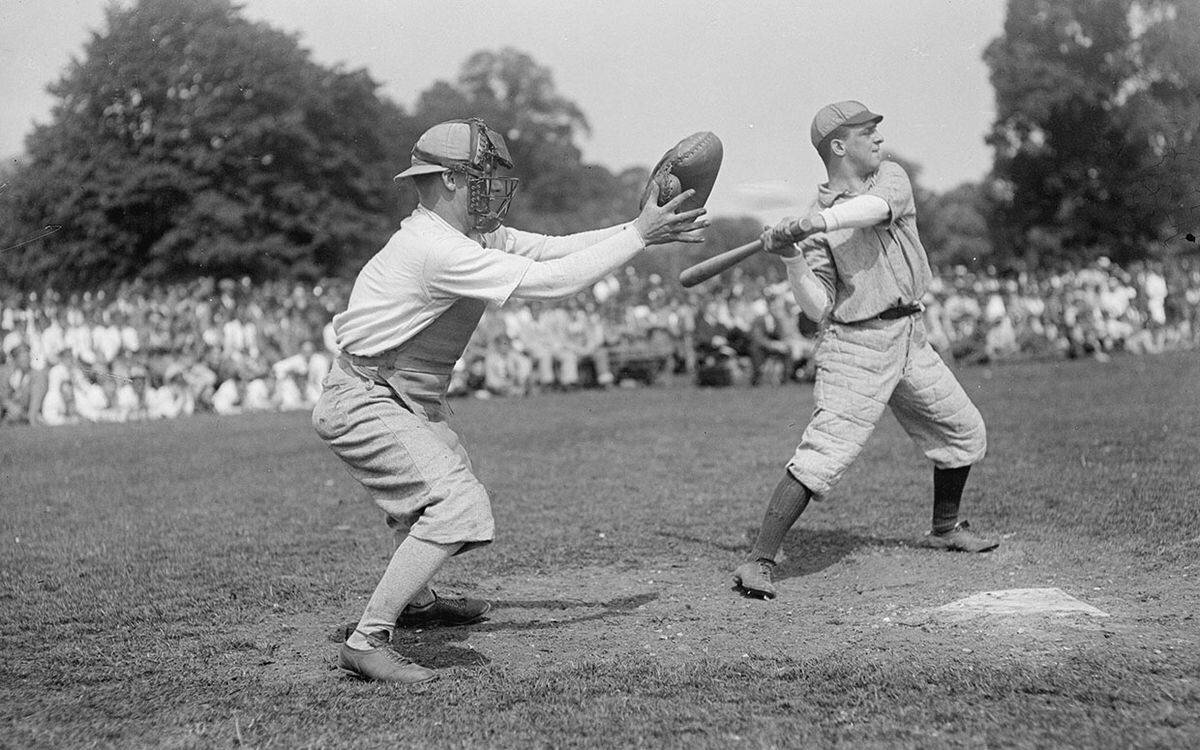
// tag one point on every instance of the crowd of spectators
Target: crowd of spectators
(143, 351)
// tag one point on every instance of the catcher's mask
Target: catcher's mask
(489, 196)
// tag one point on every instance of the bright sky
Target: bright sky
(646, 73)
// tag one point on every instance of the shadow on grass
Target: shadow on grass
(439, 646)
(810, 551)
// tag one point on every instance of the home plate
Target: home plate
(1022, 602)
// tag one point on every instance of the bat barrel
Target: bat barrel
(710, 267)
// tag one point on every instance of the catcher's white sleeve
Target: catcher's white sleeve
(547, 247)
(564, 276)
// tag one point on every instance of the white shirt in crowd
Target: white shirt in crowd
(227, 398)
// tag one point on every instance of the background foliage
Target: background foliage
(1098, 113)
(190, 141)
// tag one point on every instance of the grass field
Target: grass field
(176, 584)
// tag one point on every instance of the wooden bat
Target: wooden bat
(709, 267)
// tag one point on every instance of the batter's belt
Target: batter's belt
(895, 313)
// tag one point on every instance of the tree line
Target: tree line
(189, 140)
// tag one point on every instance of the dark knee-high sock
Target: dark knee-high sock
(947, 494)
(788, 501)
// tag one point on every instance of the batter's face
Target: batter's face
(863, 147)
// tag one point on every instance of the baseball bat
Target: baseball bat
(709, 267)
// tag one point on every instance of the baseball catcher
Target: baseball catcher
(411, 313)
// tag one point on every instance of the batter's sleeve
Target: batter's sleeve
(810, 292)
(892, 184)
(817, 255)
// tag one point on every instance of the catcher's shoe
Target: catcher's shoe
(958, 539)
(444, 612)
(755, 578)
(382, 663)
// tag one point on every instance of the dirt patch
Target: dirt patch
(882, 598)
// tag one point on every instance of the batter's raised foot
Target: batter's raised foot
(442, 611)
(958, 539)
(756, 578)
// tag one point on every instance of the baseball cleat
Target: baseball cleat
(754, 578)
(444, 612)
(382, 663)
(958, 539)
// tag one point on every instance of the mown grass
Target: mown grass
(143, 567)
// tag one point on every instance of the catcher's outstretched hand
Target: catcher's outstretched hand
(662, 224)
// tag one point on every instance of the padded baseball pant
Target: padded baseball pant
(863, 367)
(415, 468)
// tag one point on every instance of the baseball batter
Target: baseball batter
(410, 315)
(855, 263)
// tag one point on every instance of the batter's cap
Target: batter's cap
(832, 116)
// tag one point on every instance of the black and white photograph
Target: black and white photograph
(528, 374)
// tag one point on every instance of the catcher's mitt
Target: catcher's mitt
(692, 164)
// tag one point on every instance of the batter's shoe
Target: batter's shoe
(755, 578)
(444, 612)
(382, 663)
(958, 539)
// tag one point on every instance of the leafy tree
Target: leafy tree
(1098, 115)
(190, 140)
(954, 227)
(517, 96)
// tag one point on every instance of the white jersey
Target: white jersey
(427, 266)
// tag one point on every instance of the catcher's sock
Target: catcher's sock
(787, 502)
(947, 495)
(412, 565)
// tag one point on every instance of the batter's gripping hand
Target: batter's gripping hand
(780, 238)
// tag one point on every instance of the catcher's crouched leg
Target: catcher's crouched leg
(415, 470)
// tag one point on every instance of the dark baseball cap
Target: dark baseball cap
(832, 116)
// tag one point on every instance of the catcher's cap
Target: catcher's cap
(832, 116)
(457, 144)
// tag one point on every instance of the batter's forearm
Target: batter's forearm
(808, 290)
(573, 273)
(856, 213)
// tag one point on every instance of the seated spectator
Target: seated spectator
(289, 392)
(58, 407)
(586, 336)
(766, 345)
(131, 394)
(91, 398)
(23, 389)
(227, 399)
(259, 393)
(506, 371)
